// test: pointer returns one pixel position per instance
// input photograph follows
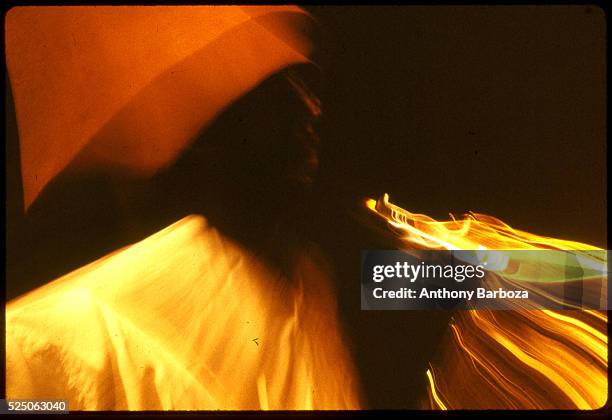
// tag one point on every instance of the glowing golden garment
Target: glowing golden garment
(185, 319)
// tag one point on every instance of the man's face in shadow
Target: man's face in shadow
(251, 171)
(249, 174)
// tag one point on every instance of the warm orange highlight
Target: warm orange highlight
(514, 359)
(129, 87)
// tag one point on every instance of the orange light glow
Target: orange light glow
(515, 359)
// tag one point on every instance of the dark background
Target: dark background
(497, 110)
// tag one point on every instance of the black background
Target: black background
(497, 110)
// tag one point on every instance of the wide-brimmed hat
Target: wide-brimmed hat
(127, 88)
